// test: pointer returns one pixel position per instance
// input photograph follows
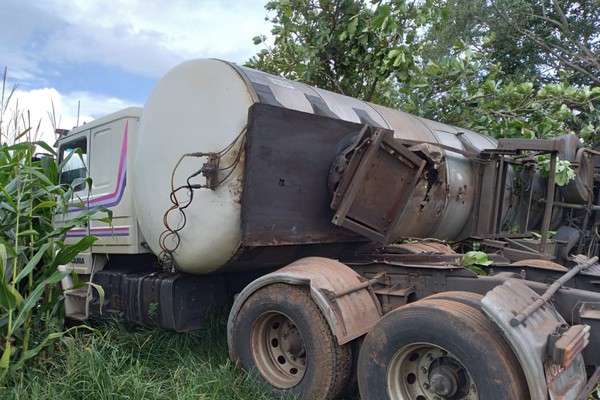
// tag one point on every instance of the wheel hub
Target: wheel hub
(444, 379)
(279, 350)
(426, 372)
(292, 343)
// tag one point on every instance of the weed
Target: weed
(138, 363)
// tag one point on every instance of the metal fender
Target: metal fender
(344, 297)
(529, 340)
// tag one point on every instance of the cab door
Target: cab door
(74, 153)
(109, 189)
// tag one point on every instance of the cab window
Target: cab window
(76, 167)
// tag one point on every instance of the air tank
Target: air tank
(202, 106)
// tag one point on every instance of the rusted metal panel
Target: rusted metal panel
(548, 145)
(493, 197)
(349, 313)
(530, 340)
(379, 182)
(288, 158)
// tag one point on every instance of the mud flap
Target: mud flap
(349, 313)
(529, 340)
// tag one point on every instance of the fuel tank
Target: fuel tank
(211, 108)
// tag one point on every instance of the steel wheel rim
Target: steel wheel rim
(423, 371)
(278, 349)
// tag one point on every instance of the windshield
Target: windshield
(76, 167)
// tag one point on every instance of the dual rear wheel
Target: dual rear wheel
(442, 347)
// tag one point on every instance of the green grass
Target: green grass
(135, 363)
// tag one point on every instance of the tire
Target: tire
(351, 390)
(466, 298)
(438, 349)
(459, 296)
(281, 336)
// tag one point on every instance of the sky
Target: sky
(105, 55)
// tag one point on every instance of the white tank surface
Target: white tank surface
(202, 106)
(197, 106)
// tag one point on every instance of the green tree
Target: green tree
(388, 52)
(470, 92)
(474, 22)
(355, 47)
(541, 39)
(565, 34)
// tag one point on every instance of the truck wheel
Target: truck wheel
(280, 333)
(438, 349)
(467, 298)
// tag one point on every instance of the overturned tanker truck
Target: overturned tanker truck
(337, 229)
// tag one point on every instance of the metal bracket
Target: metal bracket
(379, 164)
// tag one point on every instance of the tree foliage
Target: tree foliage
(565, 34)
(546, 39)
(470, 92)
(491, 72)
(349, 46)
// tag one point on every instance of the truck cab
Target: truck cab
(100, 150)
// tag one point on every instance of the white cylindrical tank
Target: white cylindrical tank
(202, 105)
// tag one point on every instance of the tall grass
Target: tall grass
(31, 246)
(137, 363)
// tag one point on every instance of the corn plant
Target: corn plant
(31, 249)
(32, 246)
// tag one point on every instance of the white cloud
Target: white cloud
(148, 37)
(44, 109)
(143, 38)
(19, 68)
(110, 48)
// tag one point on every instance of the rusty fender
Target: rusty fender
(530, 339)
(344, 297)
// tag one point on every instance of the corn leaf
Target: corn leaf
(33, 262)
